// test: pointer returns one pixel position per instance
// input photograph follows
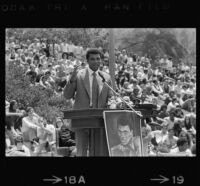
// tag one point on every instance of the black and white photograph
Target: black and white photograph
(123, 133)
(87, 92)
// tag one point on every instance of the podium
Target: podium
(92, 119)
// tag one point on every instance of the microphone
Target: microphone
(103, 79)
(109, 86)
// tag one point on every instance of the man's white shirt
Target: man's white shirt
(160, 137)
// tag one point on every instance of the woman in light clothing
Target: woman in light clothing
(30, 125)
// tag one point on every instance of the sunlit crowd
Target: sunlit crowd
(170, 86)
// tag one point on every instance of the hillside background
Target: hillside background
(178, 43)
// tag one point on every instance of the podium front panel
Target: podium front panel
(87, 123)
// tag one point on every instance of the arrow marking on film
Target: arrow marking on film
(162, 179)
(55, 180)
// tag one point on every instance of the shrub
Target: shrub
(44, 101)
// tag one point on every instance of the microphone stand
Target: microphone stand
(104, 81)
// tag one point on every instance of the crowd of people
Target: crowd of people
(138, 79)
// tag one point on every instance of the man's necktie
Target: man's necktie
(95, 91)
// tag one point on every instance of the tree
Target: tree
(153, 42)
(163, 43)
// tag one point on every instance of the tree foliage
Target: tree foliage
(162, 43)
(44, 101)
(153, 42)
(86, 37)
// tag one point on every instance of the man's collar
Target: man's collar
(91, 71)
(130, 143)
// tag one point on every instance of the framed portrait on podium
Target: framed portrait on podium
(123, 133)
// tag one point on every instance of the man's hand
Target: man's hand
(40, 123)
(74, 73)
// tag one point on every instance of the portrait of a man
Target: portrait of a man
(123, 133)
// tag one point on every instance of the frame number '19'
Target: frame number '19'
(178, 179)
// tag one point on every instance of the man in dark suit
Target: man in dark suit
(88, 90)
(129, 144)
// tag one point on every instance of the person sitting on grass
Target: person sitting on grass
(19, 148)
(46, 134)
(30, 125)
(67, 139)
(171, 140)
(182, 148)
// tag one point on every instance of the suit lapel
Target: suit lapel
(86, 82)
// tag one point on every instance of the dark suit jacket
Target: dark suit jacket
(116, 151)
(132, 149)
(80, 90)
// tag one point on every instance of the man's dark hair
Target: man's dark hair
(144, 81)
(36, 57)
(40, 65)
(164, 106)
(47, 72)
(93, 51)
(71, 54)
(188, 126)
(49, 65)
(65, 53)
(28, 109)
(124, 121)
(174, 99)
(172, 111)
(12, 103)
(155, 81)
(28, 61)
(182, 141)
